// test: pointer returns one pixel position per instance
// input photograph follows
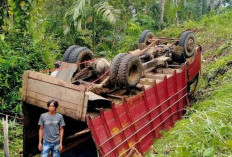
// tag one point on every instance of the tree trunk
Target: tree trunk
(201, 7)
(93, 22)
(220, 6)
(176, 5)
(162, 11)
(5, 132)
(211, 4)
(204, 7)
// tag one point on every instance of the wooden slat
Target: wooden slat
(60, 109)
(52, 80)
(141, 85)
(47, 98)
(73, 113)
(24, 86)
(57, 92)
(84, 107)
(146, 81)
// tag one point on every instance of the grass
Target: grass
(205, 131)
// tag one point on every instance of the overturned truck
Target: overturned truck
(124, 104)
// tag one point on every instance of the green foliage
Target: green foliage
(108, 11)
(21, 49)
(146, 22)
(132, 34)
(18, 15)
(18, 53)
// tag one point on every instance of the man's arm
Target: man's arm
(41, 129)
(61, 138)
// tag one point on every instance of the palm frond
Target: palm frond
(108, 11)
(78, 8)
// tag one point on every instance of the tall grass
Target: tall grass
(205, 131)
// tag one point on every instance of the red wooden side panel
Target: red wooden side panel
(135, 123)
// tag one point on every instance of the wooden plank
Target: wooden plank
(58, 92)
(45, 98)
(161, 76)
(72, 96)
(142, 85)
(147, 81)
(170, 71)
(149, 70)
(84, 107)
(24, 86)
(62, 110)
(82, 132)
(154, 76)
(73, 114)
(54, 81)
(36, 102)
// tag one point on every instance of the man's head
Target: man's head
(52, 105)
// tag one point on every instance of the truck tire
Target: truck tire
(68, 52)
(130, 71)
(79, 55)
(188, 42)
(114, 67)
(145, 35)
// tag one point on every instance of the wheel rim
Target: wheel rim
(149, 35)
(190, 45)
(133, 73)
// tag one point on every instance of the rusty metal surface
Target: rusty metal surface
(66, 71)
(95, 97)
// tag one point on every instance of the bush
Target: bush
(19, 52)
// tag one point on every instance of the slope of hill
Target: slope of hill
(206, 128)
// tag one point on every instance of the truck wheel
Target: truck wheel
(145, 36)
(114, 67)
(79, 55)
(188, 42)
(130, 71)
(68, 52)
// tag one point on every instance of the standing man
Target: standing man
(51, 131)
